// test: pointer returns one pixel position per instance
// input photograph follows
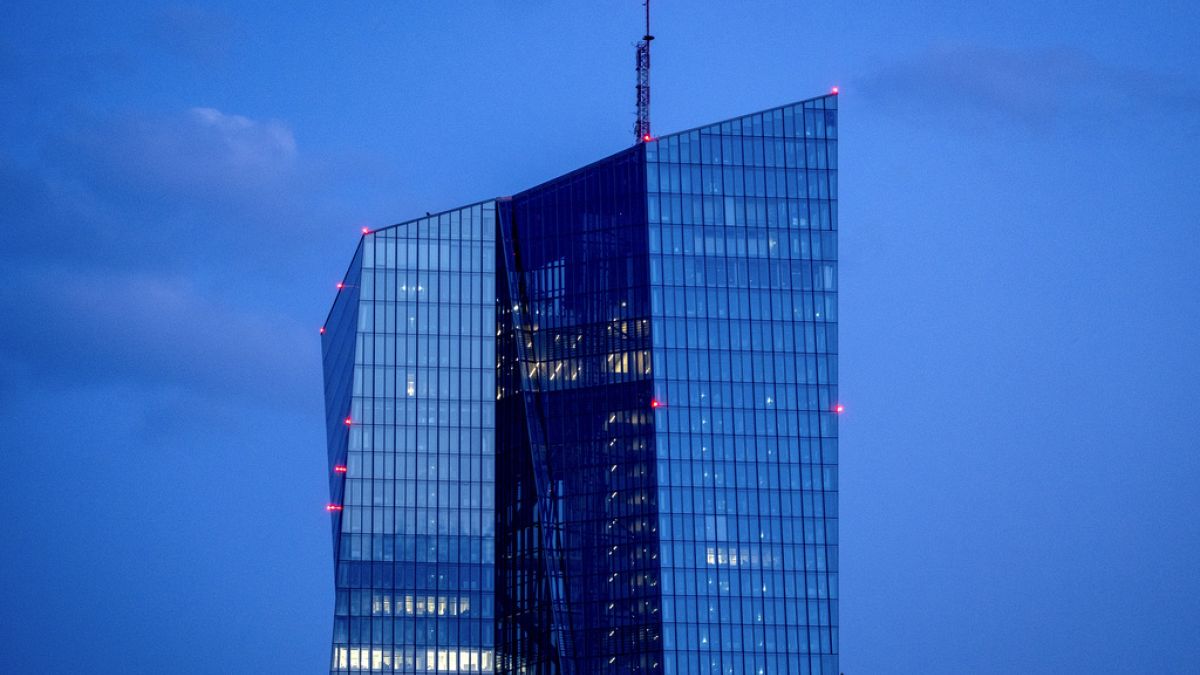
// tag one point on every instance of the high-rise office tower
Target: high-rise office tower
(592, 427)
(410, 369)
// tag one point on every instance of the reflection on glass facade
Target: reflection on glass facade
(743, 248)
(645, 351)
(410, 369)
(575, 359)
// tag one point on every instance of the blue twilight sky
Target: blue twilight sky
(182, 184)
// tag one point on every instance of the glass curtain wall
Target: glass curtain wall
(581, 471)
(646, 351)
(412, 426)
(743, 250)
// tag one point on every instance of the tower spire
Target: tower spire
(641, 128)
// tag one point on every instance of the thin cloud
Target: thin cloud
(138, 191)
(118, 225)
(1032, 88)
(247, 140)
(201, 152)
(82, 328)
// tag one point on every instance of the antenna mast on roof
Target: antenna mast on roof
(641, 128)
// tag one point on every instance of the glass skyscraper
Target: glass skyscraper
(410, 367)
(592, 427)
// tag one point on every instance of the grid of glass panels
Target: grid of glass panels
(414, 541)
(526, 637)
(666, 327)
(338, 339)
(743, 244)
(578, 496)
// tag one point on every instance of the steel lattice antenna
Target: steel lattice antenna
(641, 128)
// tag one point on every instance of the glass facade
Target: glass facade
(410, 367)
(575, 357)
(646, 351)
(743, 249)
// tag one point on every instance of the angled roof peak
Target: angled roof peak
(822, 102)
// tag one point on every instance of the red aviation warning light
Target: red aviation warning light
(333, 507)
(322, 331)
(349, 421)
(340, 285)
(340, 468)
(366, 230)
(834, 91)
(839, 408)
(654, 403)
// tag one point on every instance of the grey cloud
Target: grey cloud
(76, 328)
(167, 253)
(200, 153)
(143, 191)
(1032, 88)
